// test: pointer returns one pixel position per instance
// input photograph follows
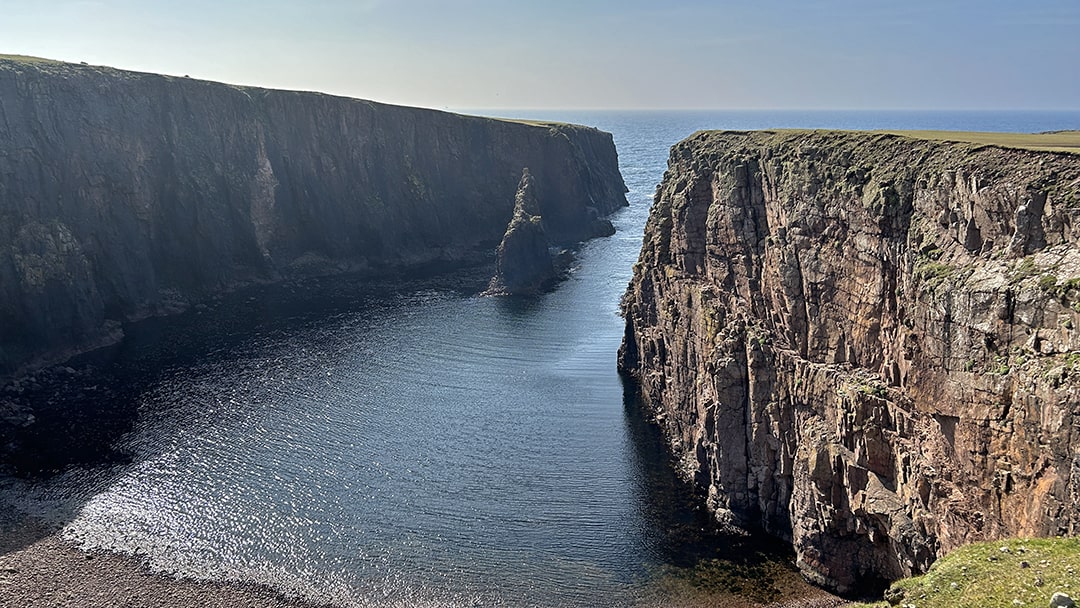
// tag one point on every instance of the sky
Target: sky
(578, 54)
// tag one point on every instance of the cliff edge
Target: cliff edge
(866, 343)
(124, 194)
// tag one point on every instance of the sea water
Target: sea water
(410, 443)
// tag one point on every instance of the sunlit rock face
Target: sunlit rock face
(124, 195)
(864, 343)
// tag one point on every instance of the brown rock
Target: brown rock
(847, 341)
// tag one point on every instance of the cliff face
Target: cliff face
(866, 344)
(124, 194)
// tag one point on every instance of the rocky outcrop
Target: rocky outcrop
(523, 262)
(124, 195)
(527, 262)
(865, 343)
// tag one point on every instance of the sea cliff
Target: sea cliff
(866, 343)
(124, 195)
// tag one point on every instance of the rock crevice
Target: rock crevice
(523, 262)
(124, 195)
(866, 343)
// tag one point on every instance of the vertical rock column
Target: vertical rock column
(524, 263)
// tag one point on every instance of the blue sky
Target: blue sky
(767, 54)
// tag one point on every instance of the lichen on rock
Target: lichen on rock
(865, 343)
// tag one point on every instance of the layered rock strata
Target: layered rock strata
(124, 195)
(866, 343)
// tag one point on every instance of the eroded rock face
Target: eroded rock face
(124, 195)
(864, 343)
(523, 263)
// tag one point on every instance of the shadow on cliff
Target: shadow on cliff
(701, 553)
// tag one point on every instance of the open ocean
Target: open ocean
(414, 444)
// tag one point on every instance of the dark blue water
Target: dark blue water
(415, 444)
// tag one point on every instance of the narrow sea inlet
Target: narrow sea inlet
(412, 443)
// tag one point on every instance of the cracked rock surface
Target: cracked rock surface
(125, 195)
(866, 344)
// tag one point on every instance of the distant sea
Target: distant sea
(415, 444)
(688, 121)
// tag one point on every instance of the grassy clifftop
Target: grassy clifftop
(53, 66)
(1057, 141)
(27, 59)
(994, 574)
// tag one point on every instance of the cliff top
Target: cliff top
(1045, 161)
(1055, 141)
(53, 66)
(547, 124)
(27, 59)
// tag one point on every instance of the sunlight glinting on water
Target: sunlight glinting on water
(423, 447)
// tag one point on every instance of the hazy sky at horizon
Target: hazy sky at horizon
(768, 54)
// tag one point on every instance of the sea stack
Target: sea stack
(125, 195)
(523, 264)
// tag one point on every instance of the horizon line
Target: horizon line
(746, 109)
(477, 109)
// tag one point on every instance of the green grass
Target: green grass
(1023, 269)
(28, 59)
(547, 124)
(1048, 282)
(993, 574)
(1058, 141)
(1061, 289)
(874, 390)
(934, 273)
(537, 123)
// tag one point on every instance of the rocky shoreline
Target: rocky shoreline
(39, 569)
(52, 573)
